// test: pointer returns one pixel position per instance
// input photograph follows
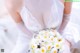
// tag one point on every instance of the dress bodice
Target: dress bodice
(52, 18)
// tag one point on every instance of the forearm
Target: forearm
(17, 18)
(22, 43)
(66, 16)
(64, 22)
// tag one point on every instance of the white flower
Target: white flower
(43, 50)
(57, 46)
(33, 46)
(49, 46)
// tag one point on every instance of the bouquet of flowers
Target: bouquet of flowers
(46, 41)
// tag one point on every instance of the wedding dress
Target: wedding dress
(51, 19)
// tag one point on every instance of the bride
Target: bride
(34, 15)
